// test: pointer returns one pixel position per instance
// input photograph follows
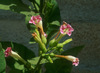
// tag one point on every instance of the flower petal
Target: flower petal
(8, 50)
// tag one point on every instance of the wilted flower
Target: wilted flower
(73, 59)
(66, 29)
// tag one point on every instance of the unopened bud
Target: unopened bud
(53, 43)
(52, 54)
(67, 41)
(49, 59)
(60, 45)
(43, 47)
(44, 40)
(60, 49)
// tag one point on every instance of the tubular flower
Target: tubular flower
(66, 29)
(13, 54)
(36, 20)
(8, 51)
(73, 59)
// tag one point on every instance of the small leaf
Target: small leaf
(34, 61)
(55, 23)
(32, 41)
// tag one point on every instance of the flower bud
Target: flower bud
(60, 45)
(44, 40)
(37, 32)
(67, 41)
(52, 54)
(53, 48)
(60, 49)
(43, 47)
(36, 38)
(49, 59)
(53, 43)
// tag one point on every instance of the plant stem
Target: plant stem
(38, 65)
(59, 38)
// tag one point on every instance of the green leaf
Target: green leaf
(63, 65)
(2, 60)
(51, 17)
(32, 41)
(23, 51)
(17, 6)
(34, 61)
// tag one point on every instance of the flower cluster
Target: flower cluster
(53, 44)
(41, 38)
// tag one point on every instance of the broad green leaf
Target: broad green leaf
(23, 51)
(2, 60)
(17, 6)
(63, 65)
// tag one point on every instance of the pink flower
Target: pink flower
(13, 54)
(74, 60)
(8, 51)
(35, 19)
(66, 29)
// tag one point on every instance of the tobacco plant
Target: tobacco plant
(42, 18)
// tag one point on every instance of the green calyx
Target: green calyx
(60, 45)
(43, 47)
(44, 40)
(53, 43)
(52, 54)
(60, 50)
(49, 59)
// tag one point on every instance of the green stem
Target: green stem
(59, 38)
(37, 66)
(17, 56)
